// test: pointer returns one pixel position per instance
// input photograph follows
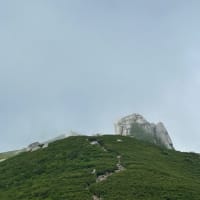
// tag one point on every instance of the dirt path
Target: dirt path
(107, 174)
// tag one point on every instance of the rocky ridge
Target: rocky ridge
(156, 132)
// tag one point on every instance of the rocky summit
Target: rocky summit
(137, 126)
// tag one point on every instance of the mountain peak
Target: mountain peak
(137, 126)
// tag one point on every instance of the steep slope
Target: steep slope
(103, 167)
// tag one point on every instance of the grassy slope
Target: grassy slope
(63, 172)
(9, 154)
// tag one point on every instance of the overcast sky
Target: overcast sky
(82, 64)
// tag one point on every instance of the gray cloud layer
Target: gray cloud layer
(81, 65)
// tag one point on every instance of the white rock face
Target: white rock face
(163, 135)
(157, 132)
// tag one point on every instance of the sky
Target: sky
(81, 65)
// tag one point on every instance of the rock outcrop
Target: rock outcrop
(137, 126)
(34, 146)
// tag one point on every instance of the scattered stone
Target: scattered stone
(103, 177)
(120, 168)
(45, 145)
(94, 143)
(1, 160)
(104, 149)
(119, 140)
(94, 197)
(93, 171)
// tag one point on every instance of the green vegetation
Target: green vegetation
(9, 154)
(63, 171)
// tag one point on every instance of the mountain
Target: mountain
(35, 146)
(109, 167)
(9, 154)
(137, 126)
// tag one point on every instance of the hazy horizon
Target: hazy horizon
(74, 65)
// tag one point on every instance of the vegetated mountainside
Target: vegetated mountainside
(35, 146)
(106, 167)
(6, 155)
(9, 154)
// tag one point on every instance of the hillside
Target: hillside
(106, 167)
(9, 154)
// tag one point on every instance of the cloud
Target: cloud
(73, 65)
